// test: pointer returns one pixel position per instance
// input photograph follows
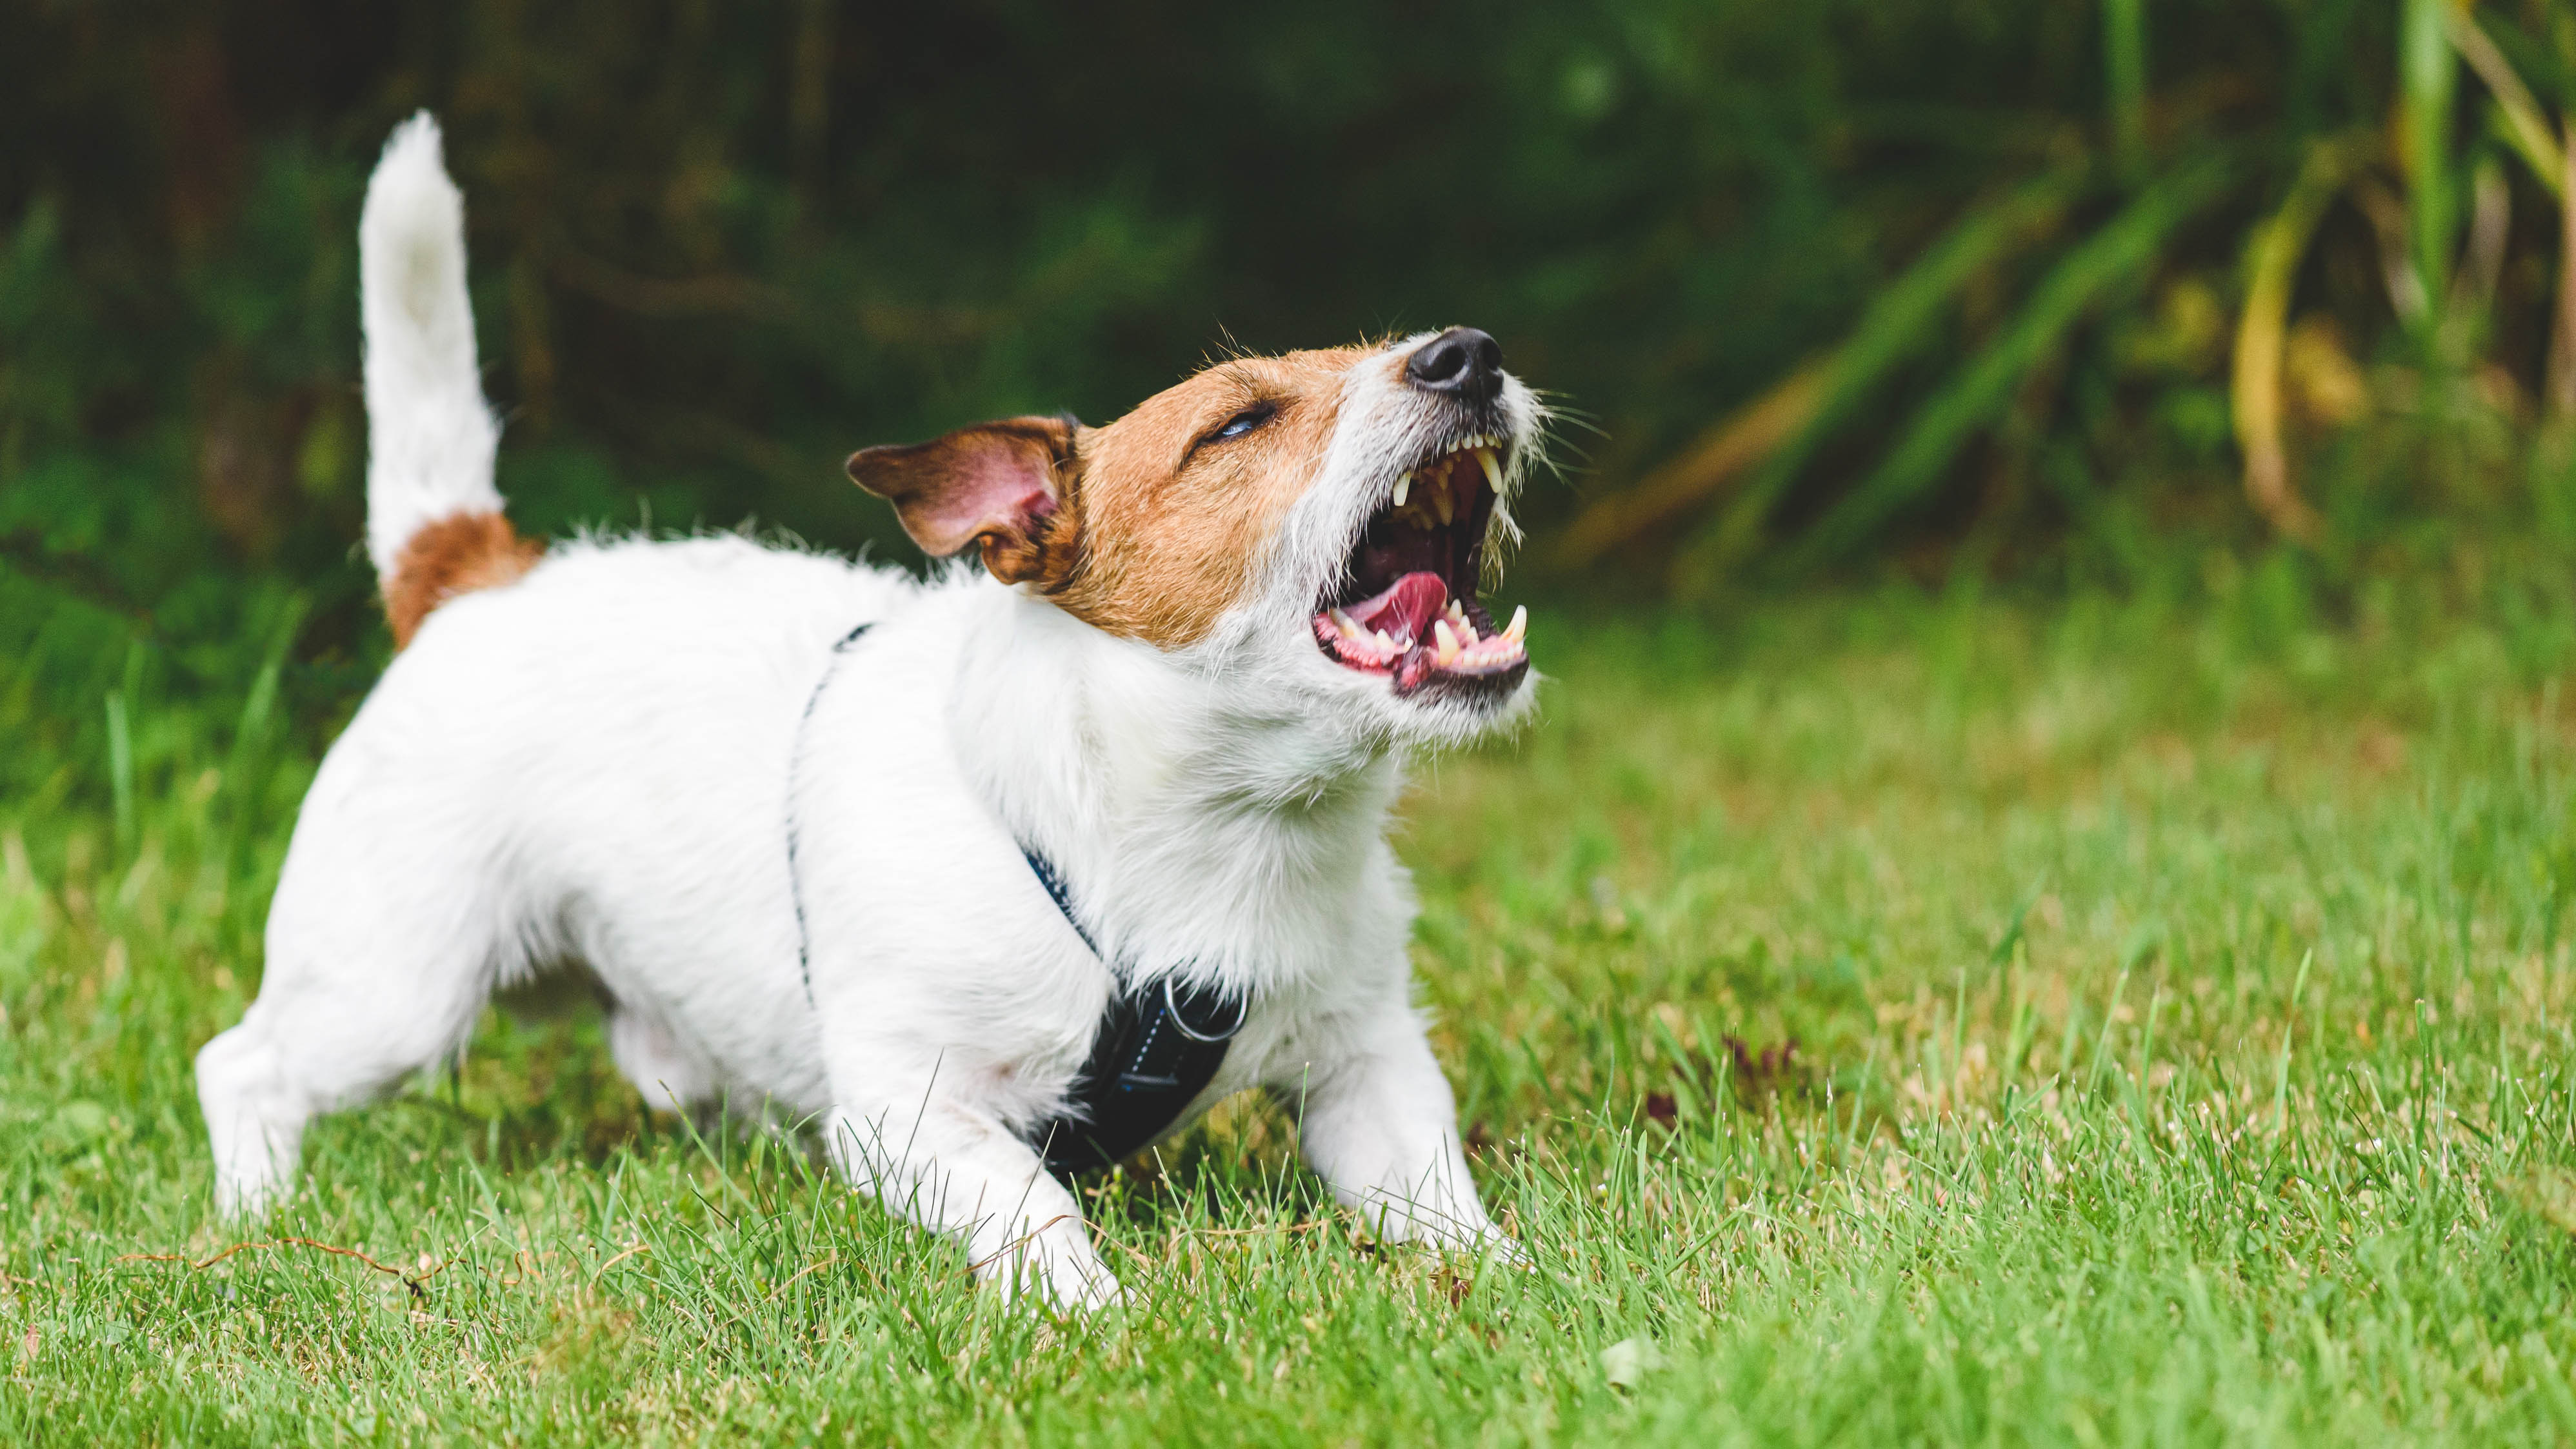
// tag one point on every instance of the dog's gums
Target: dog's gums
(1406, 604)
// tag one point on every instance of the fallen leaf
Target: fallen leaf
(1628, 1361)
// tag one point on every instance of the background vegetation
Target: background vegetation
(2038, 912)
(2059, 292)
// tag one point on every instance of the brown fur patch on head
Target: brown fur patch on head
(456, 555)
(1173, 518)
(1151, 527)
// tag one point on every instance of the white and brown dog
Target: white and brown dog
(907, 857)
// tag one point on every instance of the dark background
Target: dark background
(718, 246)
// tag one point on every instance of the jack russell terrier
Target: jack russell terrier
(995, 877)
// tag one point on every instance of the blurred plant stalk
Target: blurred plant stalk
(2272, 265)
(2124, 73)
(1772, 438)
(2435, 196)
(2519, 121)
(2427, 76)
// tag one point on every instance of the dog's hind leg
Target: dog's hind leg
(377, 967)
(671, 1077)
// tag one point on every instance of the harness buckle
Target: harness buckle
(1182, 1023)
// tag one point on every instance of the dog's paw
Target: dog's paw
(1100, 1293)
(1064, 1295)
(245, 1196)
(1065, 1279)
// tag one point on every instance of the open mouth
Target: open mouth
(1407, 605)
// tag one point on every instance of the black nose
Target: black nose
(1461, 360)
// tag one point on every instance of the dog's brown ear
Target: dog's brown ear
(1000, 485)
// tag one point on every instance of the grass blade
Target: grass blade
(120, 769)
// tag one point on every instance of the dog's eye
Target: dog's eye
(1243, 422)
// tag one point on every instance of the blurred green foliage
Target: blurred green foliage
(1997, 248)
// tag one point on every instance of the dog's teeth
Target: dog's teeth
(1447, 642)
(1519, 625)
(1493, 470)
(1440, 499)
(1385, 642)
(1403, 486)
(1349, 627)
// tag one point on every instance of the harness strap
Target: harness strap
(1157, 1048)
(795, 758)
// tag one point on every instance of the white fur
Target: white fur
(603, 763)
(430, 438)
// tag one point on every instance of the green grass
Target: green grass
(2180, 999)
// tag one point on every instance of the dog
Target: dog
(992, 877)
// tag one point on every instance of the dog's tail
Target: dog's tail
(434, 523)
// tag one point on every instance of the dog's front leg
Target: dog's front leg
(946, 1165)
(1377, 1121)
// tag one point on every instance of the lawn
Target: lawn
(1897, 1016)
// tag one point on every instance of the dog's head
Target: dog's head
(1324, 520)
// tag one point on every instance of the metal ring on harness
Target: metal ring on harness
(1181, 1023)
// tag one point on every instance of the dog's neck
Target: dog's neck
(1165, 790)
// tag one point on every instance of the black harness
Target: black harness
(1157, 1047)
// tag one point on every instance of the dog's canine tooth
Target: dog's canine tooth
(1519, 626)
(1403, 486)
(1493, 470)
(1441, 499)
(1447, 643)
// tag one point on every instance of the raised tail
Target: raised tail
(434, 523)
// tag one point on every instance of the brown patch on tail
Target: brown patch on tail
(456, 555)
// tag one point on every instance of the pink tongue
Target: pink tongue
(1404, 611)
